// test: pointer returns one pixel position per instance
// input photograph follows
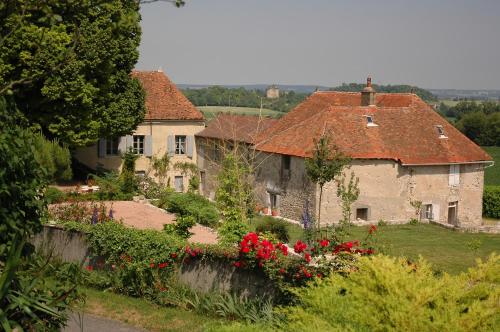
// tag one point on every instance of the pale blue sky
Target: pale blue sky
(432, 44)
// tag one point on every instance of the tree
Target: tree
(326, 164)
(348, 194)
(67, 65)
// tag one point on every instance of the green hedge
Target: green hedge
(491, 202)
(277, 227)
(190, 204)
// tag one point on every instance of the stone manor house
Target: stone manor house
(401, 150)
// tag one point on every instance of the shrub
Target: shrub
(413, 222)
(388, 294)
(181, 226)
(190, 204)
(53, 157)
(277, 227)
(54, 195)
(491, 202)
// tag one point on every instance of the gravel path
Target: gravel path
(90, 323)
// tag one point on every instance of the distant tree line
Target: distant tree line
(356, 87)
(241, 97)
(478, 121)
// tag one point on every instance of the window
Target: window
(180, 144)
(452, 213)
(112, 146)
(285, 167)
(440, 131)
(454, 179)
(274, 201)
(362, 214)
(427, 212)
(138, 144)
(369, 121)
(179, 183)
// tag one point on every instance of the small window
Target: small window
(440, 131)
(362, 214)
(369, 121)
(139, 144)
(112, 146)
(427, 212)
(180, 145)
(179, 183)
(274, 200)
(286, 162)
(454, 179)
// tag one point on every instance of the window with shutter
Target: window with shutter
(454, 177)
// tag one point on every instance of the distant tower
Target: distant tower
(273, 92)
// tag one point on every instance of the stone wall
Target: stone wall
(293, 189)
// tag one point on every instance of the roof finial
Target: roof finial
(160, 70)
(369, 81)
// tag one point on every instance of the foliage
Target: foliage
(326, 164)
(417, 205)
(111, 187)
(26, 301)
(234, 197)
(160, 166)
(67, 65)
(492, 172)
(80, 212)
(348, 195)
(152, 189)
(355, 87)
(190, 170)
(388, 294)
(53, 157)
(181, 226)
(191, 204)
(220, 96)
(275, 226)
(53, 195)
(491, 202)
(129, 183)
(483, 129)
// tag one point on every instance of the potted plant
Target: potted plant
(265, 210)
(274, 212)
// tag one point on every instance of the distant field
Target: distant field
(448, 102)
(492, 173)
(211, 111)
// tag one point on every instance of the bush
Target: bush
(491, 202)
(54, 158)
(388, 294)
(190, 204)
(181, 226)
(54, 195)
(277, 227)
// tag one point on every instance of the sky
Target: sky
(436, 44)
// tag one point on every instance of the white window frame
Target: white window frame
(180, 145)
(454, 178)
(428, 211)
(138, 144)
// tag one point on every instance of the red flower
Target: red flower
(319, 275)
(261, 264)
(299, 247)
(348, 245)
(282, 271)
(307, 257)
(173, 255)
(237, 264)
(89, 267)
(372, 229)
(162, 265)
(324, 243)
(152, 265)
(245, 250)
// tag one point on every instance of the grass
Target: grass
(211, 111)
(141, 313)
(492, 173)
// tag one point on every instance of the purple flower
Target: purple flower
(110, 213)
(95, 216)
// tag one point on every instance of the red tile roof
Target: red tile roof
(406, 130)
(241, 128)
(163, 100)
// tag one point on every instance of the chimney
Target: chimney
(368, 94)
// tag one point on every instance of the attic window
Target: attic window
(441, 131)
(369, 121)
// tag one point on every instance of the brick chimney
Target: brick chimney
(368, 94)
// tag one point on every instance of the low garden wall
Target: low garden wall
(205, 275)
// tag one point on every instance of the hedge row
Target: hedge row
(190, 204)
(491, 202)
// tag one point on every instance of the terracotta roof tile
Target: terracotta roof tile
(406, 130)
(241, 128)
(163, 100)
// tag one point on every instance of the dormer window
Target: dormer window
(369, 121)
(441, 131)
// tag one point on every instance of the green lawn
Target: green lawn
(211, 111)
(141, 313)
(492, 173)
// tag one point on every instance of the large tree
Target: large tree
(66, 65)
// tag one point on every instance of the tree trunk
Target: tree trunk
(319, 209)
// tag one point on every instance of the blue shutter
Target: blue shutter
(148, 146)
(189, 146)
(101, 149)
(170, 146)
